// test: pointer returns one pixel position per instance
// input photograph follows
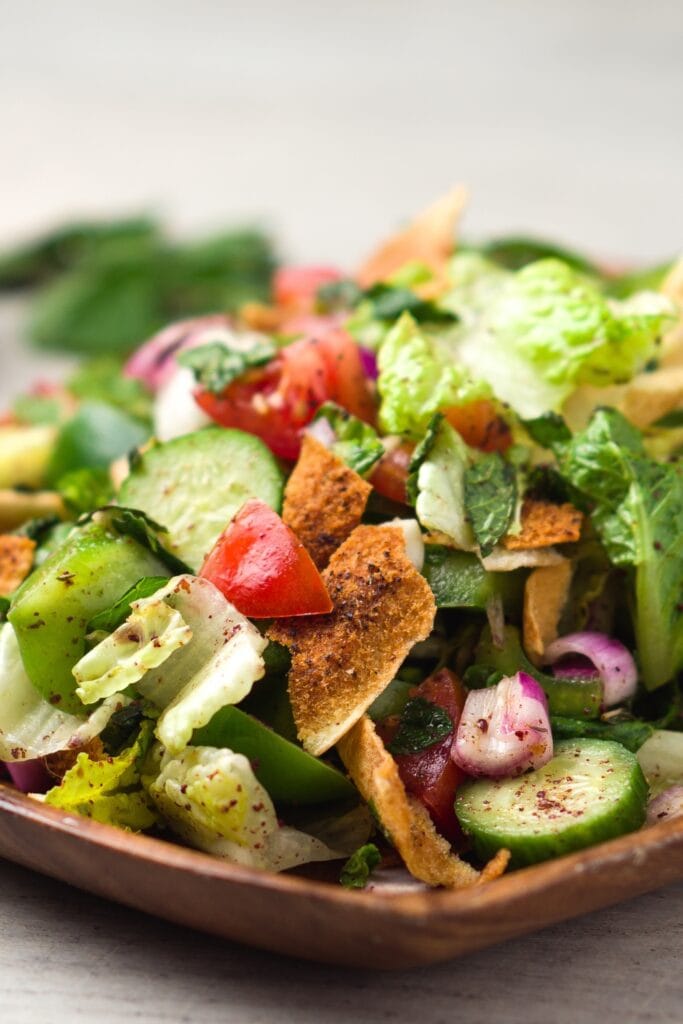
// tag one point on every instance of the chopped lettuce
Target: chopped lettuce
(30, 726)
(418, 376)
(441, 466)
(637, 509)
(548, 329)
(212, 799)
(108, 790)
(149, 636)
(187, 649)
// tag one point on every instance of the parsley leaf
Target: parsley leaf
(137, 524)
(360, 865)
(356, 442)
(490, 499)
(422, 724)
(112, 617)
(216, 365)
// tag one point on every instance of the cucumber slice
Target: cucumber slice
(194, 485)
(592, 790)
(288, 773)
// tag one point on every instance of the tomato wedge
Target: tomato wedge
(279, 400)
(430, 774)
(390, 475)
(262, 567)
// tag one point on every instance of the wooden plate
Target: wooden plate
(321, 921)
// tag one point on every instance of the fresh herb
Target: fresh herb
(421, 454)
(137, 524)
(111, 618)
(490, 499)
(216, 365)
(670, 420)
(389, 303)
(83, 490)
(548, 429)
(630, 732)
(515, 252)
(356, 442)
(93, 438)
(338, 295)
(459, 580)
(122, 727)
(4, 607)
(356, 872)
(37, 529)
(422, 724)
(102, 380)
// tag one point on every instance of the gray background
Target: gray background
(328, 124)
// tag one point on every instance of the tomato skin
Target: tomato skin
(481, 426)
(262, 567)
(390, 475)
(430, 774)
(298, 286)
(277, 401)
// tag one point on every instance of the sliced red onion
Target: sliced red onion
(322, 430)
(30, 776)
(613, 662)
(666, 806)
(504, 730)
(369, 362)
(154, 362)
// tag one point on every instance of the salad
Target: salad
(384, 569)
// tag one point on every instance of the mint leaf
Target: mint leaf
(422, 724)
(490, 499)
(360, 865)
(548, 430)
(389, 303)
(356, 442)
(216, 365)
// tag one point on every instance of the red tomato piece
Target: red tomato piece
(481, 426)
(277, 401)
(430, 774)
(298, 286)
(262, 567)
(390, 475)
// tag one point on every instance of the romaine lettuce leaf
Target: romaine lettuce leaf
(30, 726)
(109, 790)
(212, 799)
(441, 465)
(187, 649)
(418, 376)
(547, 329)
(637, 510)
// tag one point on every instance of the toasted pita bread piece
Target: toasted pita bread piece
(429, 239)
(427, 855)
(342, 661)
(652, 395)
(16, 507)
(545, 595)
(545, 524)
(16, 559)
(324, 500)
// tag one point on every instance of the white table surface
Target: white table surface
(329, 126)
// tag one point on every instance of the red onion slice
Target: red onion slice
(30, 776)
(504, 730)
(154, 362)
(666, 806)
(613, 662)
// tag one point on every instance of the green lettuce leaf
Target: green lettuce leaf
(637, 511)
(490, 499)
(83, 490)
(30, 726)
(548, 329)
(211, 798)
(355, 442)
(109, 790)
(440, 465)
(418, 376)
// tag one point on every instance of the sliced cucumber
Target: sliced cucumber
(592, 790)
(194, 485)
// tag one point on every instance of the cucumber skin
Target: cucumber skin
(625, 815)
(51, 610)
(176, 478)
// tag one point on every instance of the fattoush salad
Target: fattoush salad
(385, 570)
